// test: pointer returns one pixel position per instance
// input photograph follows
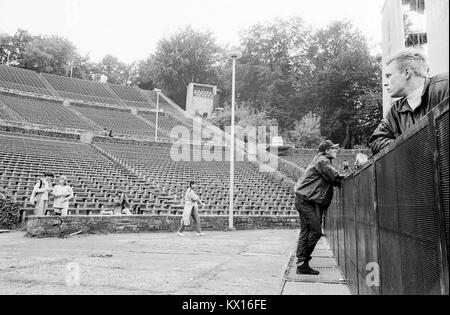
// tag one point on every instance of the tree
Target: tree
(48, 54)
(116, 71)
(278, 44)
(82, 68)
(244, 116)
(273, 65)
(345, 74)
(144, 79)
(12, 47)
(187, 56)
(306, 133)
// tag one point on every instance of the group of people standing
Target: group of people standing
(61, 193)
(44, 189)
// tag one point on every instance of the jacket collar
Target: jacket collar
(404, 106)
(325, 155)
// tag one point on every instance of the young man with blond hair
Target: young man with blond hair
(407, 79)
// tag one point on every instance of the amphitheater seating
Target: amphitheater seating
(43, 112)
(130, 96)
(147, 173)
(165, 122)
(255, 193)
(4, 115)
(163, 104)
(22, 80)
(81, 89)
(94, 178)
(120, 122)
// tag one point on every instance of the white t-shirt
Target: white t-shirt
(66, 192)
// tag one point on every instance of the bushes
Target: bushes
(9, 212)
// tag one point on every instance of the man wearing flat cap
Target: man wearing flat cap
(313, 194)
(39, 196)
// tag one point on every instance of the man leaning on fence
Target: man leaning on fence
(313, 194)
(407, 78)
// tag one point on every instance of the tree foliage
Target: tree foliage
(116, 71)
(187, 56)
(279, 44)
(48, 54)
(12, 47)
(306, 133)
(9, 210)
(346, 76)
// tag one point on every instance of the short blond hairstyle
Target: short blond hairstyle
(413, 59)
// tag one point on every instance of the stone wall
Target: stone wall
(54, 226)
(39, 131)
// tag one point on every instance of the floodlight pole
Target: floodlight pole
(157, 113)
(233, 55)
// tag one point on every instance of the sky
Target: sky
(131, 29)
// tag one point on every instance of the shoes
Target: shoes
(201, 234)
(180, 234)
(305, 269)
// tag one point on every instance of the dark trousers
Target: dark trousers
(310, 228)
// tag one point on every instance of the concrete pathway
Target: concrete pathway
(219, 263)
(329, 282)
(236, 263)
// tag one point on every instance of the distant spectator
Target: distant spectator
(105, 132)
(62, 193)
(345, 166)
(407, 79)
(121, 205)
(360, 160)
(191, 210)
(39, 196)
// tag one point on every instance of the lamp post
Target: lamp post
(157, 113)
(233, 55)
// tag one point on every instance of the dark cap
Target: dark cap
(49, 174)
(326, 145)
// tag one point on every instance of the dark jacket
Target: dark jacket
(317, 183)
(400, 116)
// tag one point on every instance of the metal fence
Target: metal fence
(388, 224)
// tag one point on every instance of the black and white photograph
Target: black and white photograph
(224, 155)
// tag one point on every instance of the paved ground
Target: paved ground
(241, 262)
(329, 282)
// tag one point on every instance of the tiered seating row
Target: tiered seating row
(22, 80)
(166, 123)
(120, 122)
(84, 90)
(4, 114)
(129, 95)
(255, 193)
(94, 178)
(43, 112)
(81, 89)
